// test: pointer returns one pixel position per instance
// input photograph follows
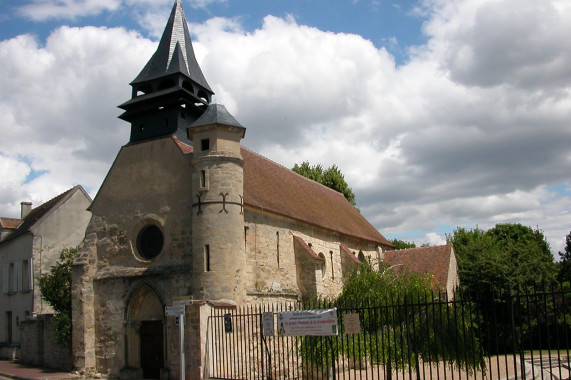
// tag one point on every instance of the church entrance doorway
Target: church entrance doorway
(145, 333)
(152, 349)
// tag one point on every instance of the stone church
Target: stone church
(186, 212)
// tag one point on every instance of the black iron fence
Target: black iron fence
(498, 335)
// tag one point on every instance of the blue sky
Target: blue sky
(440, 113)
(390, 24)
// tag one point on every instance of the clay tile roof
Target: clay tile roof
(36, 214)
(9, 223)
(308, 249)
(271, 187)
(184, 148)
(350, 254)
(434, 260)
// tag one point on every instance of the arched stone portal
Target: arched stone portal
(144, 334)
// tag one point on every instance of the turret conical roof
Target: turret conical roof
(175, 52)
(216, 114)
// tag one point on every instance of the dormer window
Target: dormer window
(204, 144)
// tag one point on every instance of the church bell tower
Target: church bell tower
(170, 93)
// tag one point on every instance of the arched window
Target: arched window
(322, 264)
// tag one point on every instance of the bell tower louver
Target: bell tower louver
(170, 93)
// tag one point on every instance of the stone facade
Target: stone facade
(255, 256)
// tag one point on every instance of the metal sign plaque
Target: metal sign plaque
(174, 311)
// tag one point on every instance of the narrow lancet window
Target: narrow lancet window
(207, 258)
(203, 178)
(332, 269)
(278, 247)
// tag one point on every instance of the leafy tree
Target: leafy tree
(330, 177)
(564, 274)
(492, 265)
(401, 244)
(55, 287)
(508, 255)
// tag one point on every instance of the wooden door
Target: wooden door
(152, 343)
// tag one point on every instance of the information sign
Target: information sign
(183, 300)
(174, 311)
(268, 323)
(308, 323)
(351, 323)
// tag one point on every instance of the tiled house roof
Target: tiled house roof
(36, 214)
(274, 188)
(434, 260)
(9, 223)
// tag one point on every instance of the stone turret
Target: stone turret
(218, 214)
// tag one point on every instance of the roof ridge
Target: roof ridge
(425, 247)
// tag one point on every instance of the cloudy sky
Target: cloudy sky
(440, 113)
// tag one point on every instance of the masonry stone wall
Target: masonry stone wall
(39, 346)
(218, 265)
(271, 261)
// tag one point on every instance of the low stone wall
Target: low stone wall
(9, 351)
(38, 345)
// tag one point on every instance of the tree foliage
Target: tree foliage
(506, 256)
(493, 265)
(401, 244)
(403, 322)
(55, 287)
(330, 177)
(564, 274)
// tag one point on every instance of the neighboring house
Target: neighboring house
(29, 247)
(8, 225)
(439, 261)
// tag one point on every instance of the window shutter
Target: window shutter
(30, 274)
(18, 277)
(6, 278)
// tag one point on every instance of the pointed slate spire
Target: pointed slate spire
(170, 93)
(175, 44)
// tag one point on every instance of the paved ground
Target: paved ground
(15, 370)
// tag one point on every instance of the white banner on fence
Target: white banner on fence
(308, 323)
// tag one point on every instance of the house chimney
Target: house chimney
(26, 207)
